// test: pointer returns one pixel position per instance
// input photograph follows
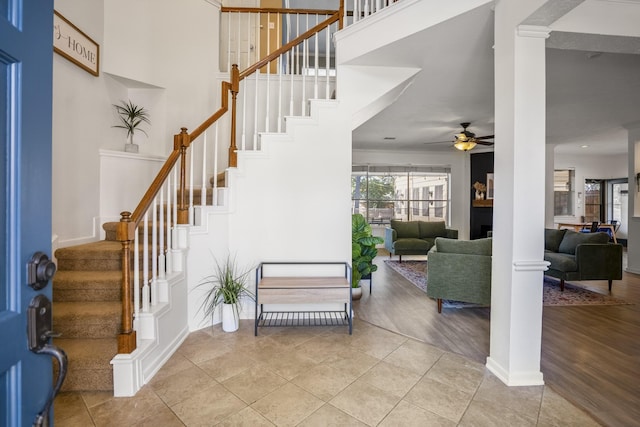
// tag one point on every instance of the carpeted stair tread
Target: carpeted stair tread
(71, 285)
(89, 363)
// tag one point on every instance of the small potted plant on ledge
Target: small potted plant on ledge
(131, 117)
(226, 288)
(363, 251)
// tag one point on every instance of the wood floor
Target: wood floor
(590, 354)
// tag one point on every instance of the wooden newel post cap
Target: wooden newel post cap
(125, 216)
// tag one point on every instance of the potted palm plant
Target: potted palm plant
(225, 288)
(363, 251)
(131, 117)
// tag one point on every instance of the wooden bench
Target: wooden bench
(303, 288)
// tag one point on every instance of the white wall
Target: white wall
(460, 177)
(169, 69)
(81, 113)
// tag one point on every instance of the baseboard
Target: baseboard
(514, 379)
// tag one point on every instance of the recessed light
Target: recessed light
(584, 146)
(389, 138)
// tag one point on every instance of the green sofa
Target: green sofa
(460, 270)
(581, 256)
(414, 237)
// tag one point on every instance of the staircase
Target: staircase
(86, 295)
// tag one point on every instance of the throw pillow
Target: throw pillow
(572, 239)
(432, 229)
(553, 238)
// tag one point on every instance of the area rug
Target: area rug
(416, 273)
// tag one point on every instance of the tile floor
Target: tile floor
(318, 377)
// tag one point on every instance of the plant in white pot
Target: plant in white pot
(225, 288)
(131, 117)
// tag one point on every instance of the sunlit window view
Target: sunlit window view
(408, 194)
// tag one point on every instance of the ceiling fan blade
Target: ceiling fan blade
(484, 142)
(485, 137)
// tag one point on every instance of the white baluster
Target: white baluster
(280, 93)
(316, 55)
(243, 138)
(304, 78)
(136, 275)
(203, 195)
(174, 239)
(229, 42)
(169, 254)
(191, 186)
(145, 265)
(161, 228)
(268, 102)
(327, 59)
(238, 58)
(291, 60)
(280, 72)
(154, 252)
(255, 113)
(215, 166)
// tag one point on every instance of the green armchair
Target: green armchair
(460, 270)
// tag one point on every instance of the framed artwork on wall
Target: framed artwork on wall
(490, 186)
(70, 42)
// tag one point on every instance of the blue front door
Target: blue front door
(26, 34)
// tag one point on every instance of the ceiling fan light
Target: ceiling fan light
(465, 145)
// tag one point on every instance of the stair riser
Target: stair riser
(105, 264)
(111, 236)
(109, 328)
(87, 379)
(85, 295)
(89, 264)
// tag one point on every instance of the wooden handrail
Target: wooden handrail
(284, 48)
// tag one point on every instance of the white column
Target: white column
(519, 207)
(633, 243)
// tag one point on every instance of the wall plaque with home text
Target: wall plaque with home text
(70, 42)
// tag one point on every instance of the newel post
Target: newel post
(124, 233)
(341, 13)
(181, 142)
(235, 88)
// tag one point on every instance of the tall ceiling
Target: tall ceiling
(593, 83)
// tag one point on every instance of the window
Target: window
(593, 207)
(382, 193)
(563, 192)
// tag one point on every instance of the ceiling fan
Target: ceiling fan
(466, 140)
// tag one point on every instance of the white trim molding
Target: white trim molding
(532, 265)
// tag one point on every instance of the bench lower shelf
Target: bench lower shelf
(302, 318)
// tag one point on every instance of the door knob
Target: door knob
(40, 270)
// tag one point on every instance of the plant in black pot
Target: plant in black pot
(225, 288)
(363, 251)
